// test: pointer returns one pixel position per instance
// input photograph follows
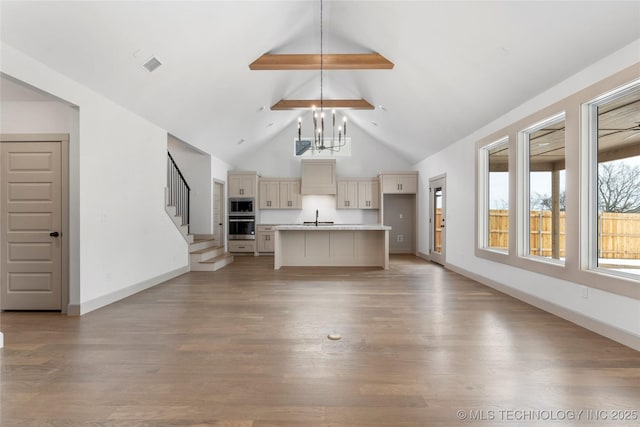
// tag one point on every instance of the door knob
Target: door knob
(54, 234)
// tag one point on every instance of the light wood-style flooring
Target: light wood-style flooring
(247, 346)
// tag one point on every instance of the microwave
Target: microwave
(241, 206)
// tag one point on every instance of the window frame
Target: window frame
(579, 230)
(524, 195)
(590, 164)
(484, 204)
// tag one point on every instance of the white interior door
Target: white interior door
(31, 226)
(437, 192)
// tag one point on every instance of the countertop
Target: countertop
(332, 227)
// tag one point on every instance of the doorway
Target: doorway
(399, 214)
(34, 222)
(218, 211)
(437, 232)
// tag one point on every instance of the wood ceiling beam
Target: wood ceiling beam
(342, 104)
(347, 61)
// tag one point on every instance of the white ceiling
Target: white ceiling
(458, 65)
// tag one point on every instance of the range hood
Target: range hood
(318, 177)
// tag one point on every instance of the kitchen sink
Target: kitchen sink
(319, 223)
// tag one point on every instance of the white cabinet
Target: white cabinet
(242, 184)
(318, 176)
(290, 197)
(400, 183)
(279, 193)
(347, 197)
(358, 194)
(265, 238)
(369, 194)
(269, 196)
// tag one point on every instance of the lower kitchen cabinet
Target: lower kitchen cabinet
(265, 235)
(242, 246)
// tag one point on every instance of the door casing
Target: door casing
(436, 182)
(218, 210)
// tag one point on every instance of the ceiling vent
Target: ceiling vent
(152, 64)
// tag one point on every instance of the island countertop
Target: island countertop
(331, 227)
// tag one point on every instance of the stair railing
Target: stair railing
(178, 190)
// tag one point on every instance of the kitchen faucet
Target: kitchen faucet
(316, 217)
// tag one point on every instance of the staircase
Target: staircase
(205, 252)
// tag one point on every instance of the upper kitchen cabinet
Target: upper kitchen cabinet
(269, 194)
(399, 182)
(368, 194)
(347, 197)
(318, 176)
(242, 184)
(358, 193)
(280, 193)
(290, 197)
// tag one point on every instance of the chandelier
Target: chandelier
(321, 140)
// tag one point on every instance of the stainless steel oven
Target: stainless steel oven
(242, 227)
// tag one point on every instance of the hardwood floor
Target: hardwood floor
(247, 346)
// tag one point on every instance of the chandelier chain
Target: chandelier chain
(321, 61)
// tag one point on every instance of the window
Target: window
(614, 121)
(495, 221)
(567, 205)
(545, 189)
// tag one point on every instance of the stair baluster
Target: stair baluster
(178, 190)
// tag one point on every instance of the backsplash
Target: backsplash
(326, 206)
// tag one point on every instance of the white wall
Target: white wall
(195, 166)
(458, 162)
(219, 169)
(41, 116)
(123, 239)
(368, 157)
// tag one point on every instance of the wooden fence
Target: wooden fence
(618, 233)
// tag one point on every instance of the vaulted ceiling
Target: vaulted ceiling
(458, 65)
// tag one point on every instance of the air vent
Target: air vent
(152, 64)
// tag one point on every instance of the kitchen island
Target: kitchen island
(331, 246)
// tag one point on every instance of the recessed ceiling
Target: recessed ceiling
(458, 65)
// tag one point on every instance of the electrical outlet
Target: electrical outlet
(585, 292)
(400, 238)
(401, 216)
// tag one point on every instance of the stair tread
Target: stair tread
(217, 258)
(198, 240)
(209, 249)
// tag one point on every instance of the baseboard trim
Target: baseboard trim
(424, 256)
(616, 334)
(94, 304)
